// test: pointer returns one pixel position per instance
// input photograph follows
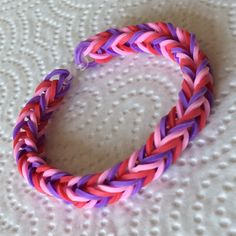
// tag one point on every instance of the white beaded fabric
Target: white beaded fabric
(113, 108)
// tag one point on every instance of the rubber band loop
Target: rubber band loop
(164, 145)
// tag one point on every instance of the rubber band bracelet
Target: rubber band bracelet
(164, 145)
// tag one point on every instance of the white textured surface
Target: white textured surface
(110, 111)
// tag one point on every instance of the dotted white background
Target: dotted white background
(110, 111)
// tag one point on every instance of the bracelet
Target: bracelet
(164, 145)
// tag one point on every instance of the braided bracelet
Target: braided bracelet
(162, 148)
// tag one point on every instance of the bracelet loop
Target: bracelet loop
(162, 148)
